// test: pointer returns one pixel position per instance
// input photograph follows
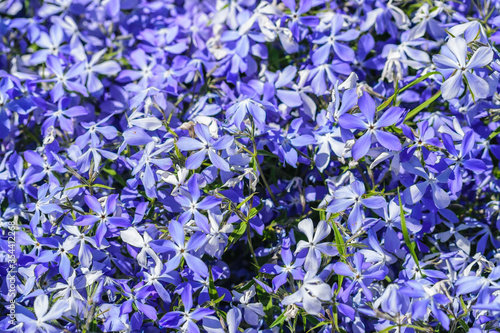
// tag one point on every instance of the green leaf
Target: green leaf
(267, 301)
(464, 307)
(245, 286)
(449, 33)
(218, 300)
(261, 152)
(422, 106)
(408, 86)
(418, 328)
(237, 233)
(494, 133)
(103, 186)
(396, 92)
(464, 325)
(417, 81)
(178, 153)
(110, 172)
(278, 320)
(115, 176)
(322, 323)
(406, 236)
(255, 210)
(358, 245)
(339, 240)
(73, 187)
(245, 201)
(388, 329)
(212, 291)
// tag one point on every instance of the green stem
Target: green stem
(408, 86)
(90, 318)
(252, 251)
(422, 106)
(259, 168)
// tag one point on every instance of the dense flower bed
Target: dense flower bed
(245, 166)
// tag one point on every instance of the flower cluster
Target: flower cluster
(250, 166)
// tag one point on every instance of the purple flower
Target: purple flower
(328, 140)
(155, 280)
(205, 145)
(414, 193)
(78, 239)
(92, 68)
(377, 256)
(251, 311)
(9, 106)
(44, 205)
(49, 43)
(290, 142)
(460, 160)
(70, 291)
(133, 298)
(91, 136)
(181, 249)
(145, 72)
(53, 7)
(237, 112)
(289, 267)
(189, 200)
(382, 17)
(62, 80)
(312, 245)
(483, 286)
(185, 320)
(43, 315)
(360, 275)
(93, 157)
(177, 180)
(189, 160)
(147, 160)
(310, 294)
(352, 195)
(43, 166)
(133, 237)
(218, 236)
(452, 60)
(323, 76)
(298, 23)
(422, 137)
(102, 216)
(373, 129)
(320, 56)
(427, 295)
(63, 115)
